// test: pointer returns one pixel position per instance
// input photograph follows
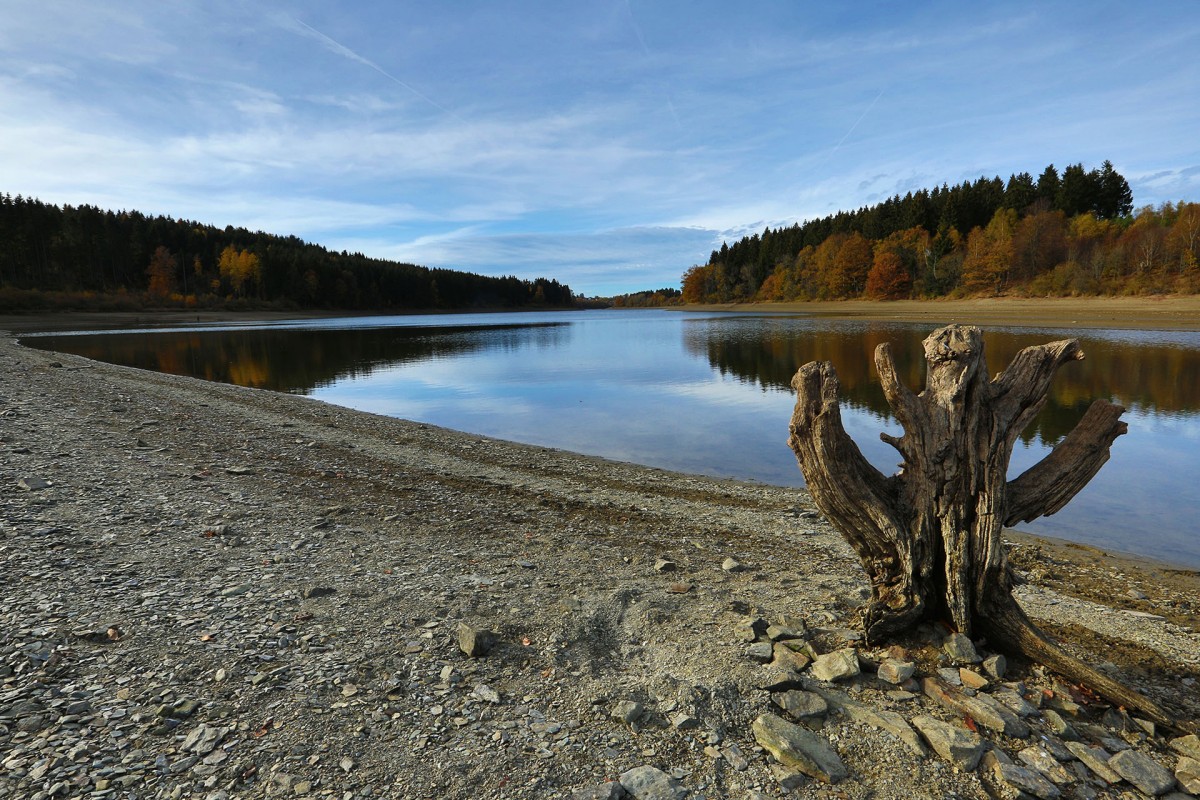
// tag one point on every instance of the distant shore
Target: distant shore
(1154, 313)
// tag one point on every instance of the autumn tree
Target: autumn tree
(990, 254)
(161, 273)
(888, 279)
(239, 268)
(847, 275)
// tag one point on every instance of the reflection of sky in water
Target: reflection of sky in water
(709, 394)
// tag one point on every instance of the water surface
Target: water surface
(708, 393)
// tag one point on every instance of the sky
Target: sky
(609, 144)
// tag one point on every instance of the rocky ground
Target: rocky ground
(215, 592)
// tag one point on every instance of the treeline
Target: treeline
(82, 256)
(648, 299)
(1065, 234)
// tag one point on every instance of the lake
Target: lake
(707, 393)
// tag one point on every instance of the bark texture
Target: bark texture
(929, 537)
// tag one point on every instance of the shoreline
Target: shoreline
(283, 580)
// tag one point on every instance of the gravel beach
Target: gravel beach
(217, 592)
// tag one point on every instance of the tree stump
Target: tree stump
(929, 537)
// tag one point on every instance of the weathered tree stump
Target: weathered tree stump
(929, 537)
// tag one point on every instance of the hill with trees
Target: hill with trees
(84, 257)
(1068, 234)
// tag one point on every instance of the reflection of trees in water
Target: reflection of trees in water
(1152, 377)
(298, 360)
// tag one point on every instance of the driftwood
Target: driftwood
(929, 537)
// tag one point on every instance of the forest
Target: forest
(82, 257)
(1056, 235)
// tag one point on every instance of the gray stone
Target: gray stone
(683, 721)
(732, 565)
(789, 780)
(627, 711)
(1060, 726)
(1043, 761)
(762, 652)
(995, 666)
(894, 671)
(33, 484)
(961, 649)
(983, 709)
(1187, 772)
(957, 745)
(311, 592)
(1026, 780)
(786, 657)
(486, 693)
(1014, 702)
(733, 756)
(1095, 759)
(971, 679)
(799, 748)
(780, 633)
(1143, 772)
(474, 641)
(888, 721)
(775, 678)
(605, 791)
(753, 629)
(648, 783)
(664, 565)
(950, 676)
(839, 665)
(801, 704)
(203, 739)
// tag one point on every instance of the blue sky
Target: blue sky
(609, 144)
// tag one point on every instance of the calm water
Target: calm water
(707, 393)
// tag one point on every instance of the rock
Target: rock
(799, 748)
(961, 649)
(774, 678)
(1095, 759)
(605, 791)
(203, 739)
(1187, 772)
(995, 666)
(800, 704)
(753, 629)
(649, 783)
(627, 711)
(1143, 772)
(971, 679)
(486, 693)
(1060, 726)
(732, 565)
(983, 709)
(683, 721)
(780, 633)
(1014, 702)
(474, 641)
(664, 565)
(762, 652)
(957, 745)
(839, 665)
(788, 658)
(33, 484)
(733, 756)
(1043, 761)
(1025, 780)
(882, 720)
(1187, 746)
(894, 671)
(789, 780)
(311, 592)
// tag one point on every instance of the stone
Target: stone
(1060, 726)
(1187, 772)
(1014, 702)
(203, 739)
(775, 678)
(894, 671)
(605, 791)
(683, 721)
(780, 633)
(733, 756)
(789, 780)
(732, 565)
(961, 649)
(981, 708)
(649, 783)
(33, 484)
(972, 679)
(888, 721)
(1096, 760)
(627, 711)
(1143, 772)
(788, 658)
(959, 746)
(799, 748)
(474, 641)
(486, 693)
(762, 652)
(799, 704)
(1043, 761)
(311, 592)
(995, 666)
(664, 565)
(753, 629)
(839, 665)
(1187, 746)
(1026, 780)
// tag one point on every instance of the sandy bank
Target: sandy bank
(241, 591)
(1067, 312)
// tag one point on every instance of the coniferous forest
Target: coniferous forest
(82, 257)
(1069, 234)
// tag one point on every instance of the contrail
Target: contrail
(637, 31)
(852, 127)
(346, 52)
